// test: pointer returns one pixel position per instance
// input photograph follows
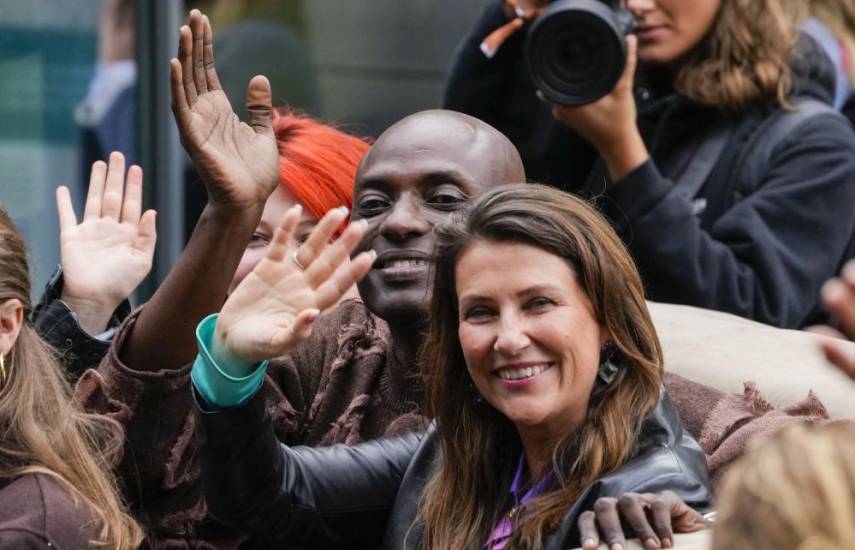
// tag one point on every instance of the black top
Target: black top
(367, 494)
(771, 230)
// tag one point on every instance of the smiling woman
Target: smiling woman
(544, 378)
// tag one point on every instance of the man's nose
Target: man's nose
(406, 220)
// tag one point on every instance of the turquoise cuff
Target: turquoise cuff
(210, 374)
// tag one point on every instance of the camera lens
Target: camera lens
(576, 51)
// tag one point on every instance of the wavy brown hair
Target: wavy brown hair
(44, 431)
(794, 492)
(745, 57)
(480, 447)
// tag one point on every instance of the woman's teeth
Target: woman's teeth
(520, 374)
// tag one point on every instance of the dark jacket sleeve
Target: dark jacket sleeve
(301, 496)
(57, 324)
(476, 83)
(768, 255)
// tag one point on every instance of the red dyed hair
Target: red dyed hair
(317, 163)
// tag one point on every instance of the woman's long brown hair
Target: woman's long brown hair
(43, 430)
(469, 492)
(745, 58)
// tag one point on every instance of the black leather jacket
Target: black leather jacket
(57, 324)
(368, 494)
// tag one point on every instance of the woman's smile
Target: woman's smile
(522, 374)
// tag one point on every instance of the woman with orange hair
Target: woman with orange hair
(317, 167)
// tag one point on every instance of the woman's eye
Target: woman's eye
(476, 314)
(539, 303)
(258, 240)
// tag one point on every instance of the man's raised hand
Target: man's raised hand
(237, 161)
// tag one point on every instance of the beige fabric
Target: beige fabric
(724, 351)
(688, 541)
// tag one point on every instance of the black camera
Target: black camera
(576, 49)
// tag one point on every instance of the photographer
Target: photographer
(718, 162)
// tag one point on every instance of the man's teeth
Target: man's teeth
(519, 374)
(405, 263)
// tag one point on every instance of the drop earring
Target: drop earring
(2, 370)
(608, 368)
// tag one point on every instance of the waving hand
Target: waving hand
(237, 161)
(274, 307)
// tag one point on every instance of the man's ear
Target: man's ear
(11, 318)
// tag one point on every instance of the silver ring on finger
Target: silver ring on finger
(297, 261)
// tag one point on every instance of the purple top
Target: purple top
(501, 534)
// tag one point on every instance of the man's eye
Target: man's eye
(372, 205)
(446, 200)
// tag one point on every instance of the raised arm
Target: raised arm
(104, 257)
(314, 498)
(238, 164)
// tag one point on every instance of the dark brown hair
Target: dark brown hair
(479, 445)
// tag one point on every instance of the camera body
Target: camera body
(576, 49)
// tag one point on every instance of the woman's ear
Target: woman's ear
(11, 318)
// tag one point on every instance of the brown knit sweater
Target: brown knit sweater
(340, 386)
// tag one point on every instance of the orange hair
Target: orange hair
(317, 163)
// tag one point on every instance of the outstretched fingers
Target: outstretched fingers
(259, 103)
(146, 233)
(335, 254)
(349, 273)
(132, 203)
(185, 57)
(114, 189)
(295, 332)
(65, 209)
(280, 245)
(95, 193)
(210, 70)
(321, 236)
(197, 29)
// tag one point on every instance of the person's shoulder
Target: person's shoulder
(37, 511)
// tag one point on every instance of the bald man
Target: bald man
(352, 380)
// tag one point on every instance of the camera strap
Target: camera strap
(702, 163)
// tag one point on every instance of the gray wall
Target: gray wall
(379, 60)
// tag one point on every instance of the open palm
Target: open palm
(110, 252)
(273, 308)
(237, 161)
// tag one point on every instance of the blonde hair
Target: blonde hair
(745, 58)
(44, 431)
(468, 493)
(794, 492)
(839, 16)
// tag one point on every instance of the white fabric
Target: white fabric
(724, 351)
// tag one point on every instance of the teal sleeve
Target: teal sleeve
(211, 372)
